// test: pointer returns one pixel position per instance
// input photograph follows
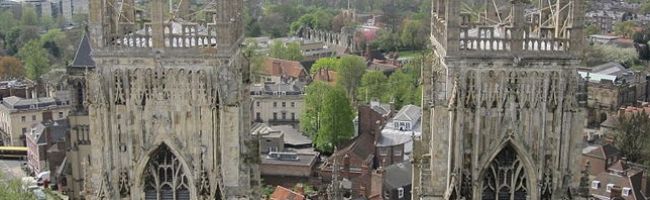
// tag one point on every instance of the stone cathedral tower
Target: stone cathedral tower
(500, 102)
(168, 102)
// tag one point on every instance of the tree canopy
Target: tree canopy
(336, 121)
(12, 189)
(633, 135)
(288, 51)
(349, 73)
(35, 58)
(373, 87)
(328, 63)
(11, 67)
(310, 119)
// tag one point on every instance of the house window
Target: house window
(33, 117)
(595, 184)
(258, 116)
(293, 104)
(24, 130)
(626, 191)
(284, 104)
(396, 124)
(609, 187)
(397, 152)
(258, 104)
(284, 115)
(275, 116)
(22, 118)
(275, 104)
(60, 115)
(383, 152)
(293, 116)
(400, 193)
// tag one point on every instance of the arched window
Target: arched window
(164, 177)
(505, 177)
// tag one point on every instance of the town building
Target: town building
(611, 85)
(629, 177)
(396, 141)
(397, 181)
(19, 115)
(282, 71)
(22, 88)
(600, 157)
(289, 168)
(277, 103)
(282, 193)
(46, 146)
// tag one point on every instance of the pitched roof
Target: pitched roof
(292, 136)
(408, 113)
(280, 67)
(282, 193)
(601, 151)
(623, 182)
(82, 58)
(398, 174)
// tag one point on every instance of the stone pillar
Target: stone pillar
(157, 24)
(577, 40)
(519, 25)
(453, 26)
(95, 24)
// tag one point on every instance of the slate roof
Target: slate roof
(601, 151)
(292, 136)
(82, 58)
(408, 113)
(282, 193)
(14, 102)
(398, 175)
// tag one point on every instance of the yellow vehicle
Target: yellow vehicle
(12, 152)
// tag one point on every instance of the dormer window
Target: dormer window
(609, 187)
(627, 191)
(595, 184)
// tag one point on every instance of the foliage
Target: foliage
(632, 137)
(328, 63)
(645, 8)
(29, 16)
(625, 29)
(387, 41)
(414, 34)
(255, 60)
(11, 67)
(318, 19)
(12, 189)
(373, 86)
(336, 121)
(35, 58)
(274, 25)
(599, 54)
(592, 29)
(349, 73)
(401, 88)
(7, 22)
(289, 51)
(310, 119)
(267, 190)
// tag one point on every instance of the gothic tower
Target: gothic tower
(168, 102)
(499, 103)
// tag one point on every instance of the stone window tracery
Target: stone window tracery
(505, 177)
(164, 177)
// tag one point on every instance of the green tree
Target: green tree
(414, 34)
(35, 59)
(349, 73)
(29, 16)
(328, 63)
(289, 51)
(255, 59)
(592, 29)
(373, 86)
(401, 89)
(387, 41)
(625, 29)
(12, 189)
(7, 22)
(633, 132)
(310, 119)
(336, 121)
(11, 67)
(318, 19)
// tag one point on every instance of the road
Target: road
(11, 169)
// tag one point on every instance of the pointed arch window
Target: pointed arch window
(505, 177)
(164, 177)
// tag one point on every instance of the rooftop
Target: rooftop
(292, 136)
(82, 58)
(282, 193)
(398, 174)
(289, 158)
(17, 103)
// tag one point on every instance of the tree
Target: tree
(373, 86)
(310, 119)
(11, 67)
(318, 19)
(274, 25)
(328, 63)
(387, 41)
(29, 16)
(336, 121)
(349, 73)
(7, 22)
(401, 89)
(11, 189)
(289, 51)
(414, 34)
(625, 29)
(592, 29)
(633, 132)
(255, 59)
(35, 58)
